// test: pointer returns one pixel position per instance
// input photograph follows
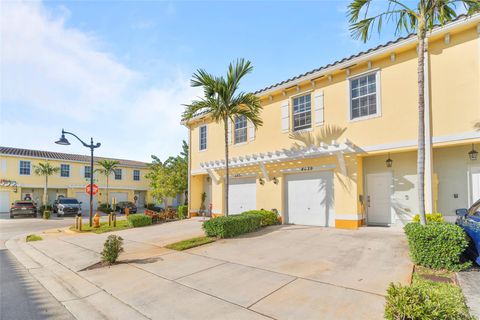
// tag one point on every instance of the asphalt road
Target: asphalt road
(21, 295)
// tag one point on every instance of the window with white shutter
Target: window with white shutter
(251, 131)
(319, 108)
(285, 112)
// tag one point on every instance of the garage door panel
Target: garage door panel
(85, 200)
(310, 199)
(4, 201)
(119, 196)
(242, 195)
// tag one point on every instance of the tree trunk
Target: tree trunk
(108, 198)
(45, 190)
(227, 178)
(421, 124)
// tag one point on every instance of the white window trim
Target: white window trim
(19, 168)
(84, 171)
(200, 138)
(378, 95)
(235, 133)
(133, 175)
(69, 170)
(309, 92)
(121, 174)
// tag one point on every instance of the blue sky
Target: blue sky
(119, 71)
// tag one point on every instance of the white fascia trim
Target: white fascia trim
(110, 187)
(371, 55)
(352, 217)
(198, 171)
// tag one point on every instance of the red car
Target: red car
(23, 208)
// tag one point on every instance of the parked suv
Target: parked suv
(23, 208)
(120, 207)
(469, 220)
(67, 206)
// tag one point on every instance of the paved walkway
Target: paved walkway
(285, 272)
(470, 283)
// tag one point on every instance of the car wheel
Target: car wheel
(11, 216)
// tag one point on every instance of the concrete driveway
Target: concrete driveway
(286, 272)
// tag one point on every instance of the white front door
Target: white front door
(474, 184)
(378, 198)
(242, 195)
(4, 201)
(310, 199)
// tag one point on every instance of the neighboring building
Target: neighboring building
(320, 156)
(18, 179)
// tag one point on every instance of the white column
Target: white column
(428, 135)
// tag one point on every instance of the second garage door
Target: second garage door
(309, 198)
(119, 196)
(85, 200)
(242, 195)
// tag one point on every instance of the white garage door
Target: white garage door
(310, 199)
(4, 201)
(119, 196)
(85, 200)
(242, 195)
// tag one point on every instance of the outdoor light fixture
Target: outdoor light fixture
(473, 154)
(261, 181)
(275, 180)
(389, 161)
(64, 142)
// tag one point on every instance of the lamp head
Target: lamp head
(63, 141)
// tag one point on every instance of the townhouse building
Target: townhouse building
(18, 180)
(338, 146)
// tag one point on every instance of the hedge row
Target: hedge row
(431, 217)
(437, 245)
(268, 217)
(139, 220)
(232, 226)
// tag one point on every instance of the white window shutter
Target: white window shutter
(229, 131)
(319, 107)
(82, 172)
(285, 116)
(251, 130)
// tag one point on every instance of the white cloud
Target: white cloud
(62, 74)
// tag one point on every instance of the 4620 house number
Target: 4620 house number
(306, 168)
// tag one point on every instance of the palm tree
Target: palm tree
(420, 19)
(223, 102)
(107, 167)
(45, 169)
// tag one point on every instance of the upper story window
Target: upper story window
(302, 112)
(136, 175)
(25, 168)
(118, 174)
(240, 132)
(65, 170)
(203, 138)
(363, 96)
(87, 172)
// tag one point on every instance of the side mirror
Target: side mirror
(13, 203)
(461, 212)
(80, 202)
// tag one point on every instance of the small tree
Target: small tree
(112, 248)
(45, 169)
(107, 167)
(223, 101)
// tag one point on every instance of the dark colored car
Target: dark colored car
(120, 207)
(67, 206)
(469, 220)
(23, 208)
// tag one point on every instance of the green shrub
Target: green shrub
(437, 245)
(112, 248)
(47, 207)
(231, 226)
(268, 217)
(425, 300)
(47, 214)
(431, 217)
(139, 220)
(104, 208)
(182, 212)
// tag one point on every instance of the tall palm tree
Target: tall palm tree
(223, 102)
(420, 19)
(107, 167)
(45, 169)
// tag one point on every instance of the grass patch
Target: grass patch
(104, 227)
(190, 243)
(33, 237)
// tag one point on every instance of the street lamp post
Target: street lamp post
(64, 142)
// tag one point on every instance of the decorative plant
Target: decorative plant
(107, 167)
(202, 205)
(223, 102)
(112, 248)
(420, 19)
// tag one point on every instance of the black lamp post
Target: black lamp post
(64, 142)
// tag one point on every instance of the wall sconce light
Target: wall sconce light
(261, 181)
(389, 161)
(208, 178)
(275, 180)
(473, 154)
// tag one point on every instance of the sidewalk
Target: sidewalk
(470, 283)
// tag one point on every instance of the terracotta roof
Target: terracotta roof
(64, 156)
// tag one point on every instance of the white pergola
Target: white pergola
(294, 153)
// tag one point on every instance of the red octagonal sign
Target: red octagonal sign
(95, 189)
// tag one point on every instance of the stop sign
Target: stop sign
(95, 189)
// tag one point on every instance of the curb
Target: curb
(83, 299)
